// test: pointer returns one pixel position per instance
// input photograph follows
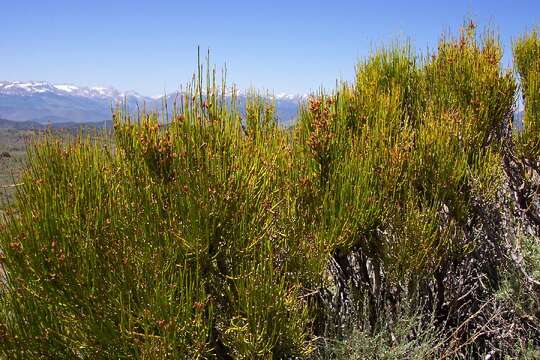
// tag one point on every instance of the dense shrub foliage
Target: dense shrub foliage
(217, 233)
(527, 63)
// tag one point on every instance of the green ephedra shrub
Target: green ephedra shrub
(206, 230)
(527, 63)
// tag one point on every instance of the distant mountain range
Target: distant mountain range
(32, 125)
(34, 104)
(46, 103)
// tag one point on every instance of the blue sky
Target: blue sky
(283, 46)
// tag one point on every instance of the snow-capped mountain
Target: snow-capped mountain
(44, 102)
(291, 97)
(29, 88)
